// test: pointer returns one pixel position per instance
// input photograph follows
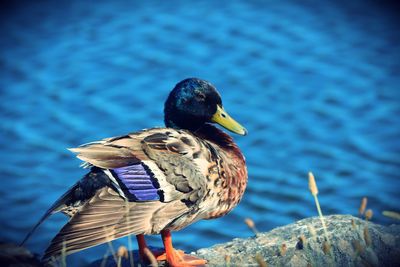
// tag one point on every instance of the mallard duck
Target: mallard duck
(156, 180)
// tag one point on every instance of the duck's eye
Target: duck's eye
(200, 96)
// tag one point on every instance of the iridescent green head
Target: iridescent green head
(194, 102)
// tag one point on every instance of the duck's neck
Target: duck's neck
(181, 121)
(220, 138)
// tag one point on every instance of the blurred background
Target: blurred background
(316, 83)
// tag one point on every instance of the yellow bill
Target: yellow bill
(222, 118)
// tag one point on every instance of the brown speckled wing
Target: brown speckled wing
(107, 216)
(173, 153)
(178, 159)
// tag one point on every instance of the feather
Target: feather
(75, 196)
(85, 229)
(53, 209)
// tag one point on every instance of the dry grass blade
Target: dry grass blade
(250, 223)
(150, 257)
(312, 231)
(326, 247)
(260, 260)
(353, 224)
(363, 206)
(282, 250)
(312, 185)
(104, 260)
(368, 214)
(367, 237)
(64, 254)
(357, 247)
(119, 262)
(122, 253)
(110, 246)
(391, 214)
(314, 191)
(131, 259)
(227, 260)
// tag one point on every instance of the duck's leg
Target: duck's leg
(142, 246)
(145, 253)
(177, 258)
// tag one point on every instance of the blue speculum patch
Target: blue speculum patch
(137, 182)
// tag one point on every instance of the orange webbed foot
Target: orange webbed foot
(178, 258)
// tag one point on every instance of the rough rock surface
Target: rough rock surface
(303, 244)
(350, 245)
(352, 242)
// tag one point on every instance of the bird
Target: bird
(156, 180)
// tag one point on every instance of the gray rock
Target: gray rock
(352, 241)
(302, 244)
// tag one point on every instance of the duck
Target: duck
(157, 180)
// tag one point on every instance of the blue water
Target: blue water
(315, 83)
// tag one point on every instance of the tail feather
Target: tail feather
(56, 207)
(80, 192)
(84, 230)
